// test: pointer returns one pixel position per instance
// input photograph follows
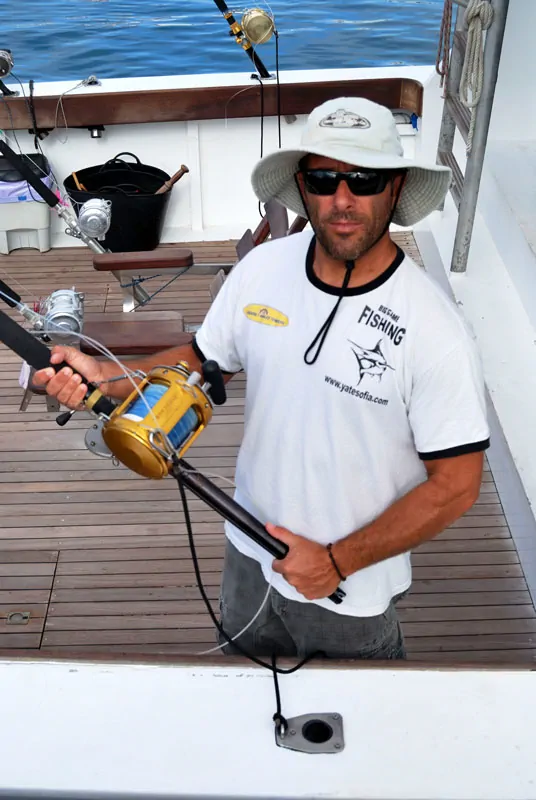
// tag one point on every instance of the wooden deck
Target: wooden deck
(98, 558)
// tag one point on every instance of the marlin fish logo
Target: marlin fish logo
(370, 362)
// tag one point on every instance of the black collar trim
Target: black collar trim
(355, 290)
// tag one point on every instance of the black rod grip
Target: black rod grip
(8, 295)
(36, 183)
(37, 355)
(220, 502)
(217, 499)
(259, 64)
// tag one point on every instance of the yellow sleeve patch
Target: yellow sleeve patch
(265, 315)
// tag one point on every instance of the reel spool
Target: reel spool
(145, 435)
(95, 217)
(6, 62)
(63, 317)
(258, 25)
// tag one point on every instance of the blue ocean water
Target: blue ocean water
(71, 39)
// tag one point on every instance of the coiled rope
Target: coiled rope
(443, 51)
(478, 18)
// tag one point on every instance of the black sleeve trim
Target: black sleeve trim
(197, 350)
(460, 450)
(201, 356)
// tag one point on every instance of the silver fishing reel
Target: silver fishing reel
(62, 317)
(94, 217)
(6, 63)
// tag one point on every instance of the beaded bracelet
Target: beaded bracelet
(339, 573)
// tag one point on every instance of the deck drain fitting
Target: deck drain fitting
(18, 618)
(313, 733)
(317, 731)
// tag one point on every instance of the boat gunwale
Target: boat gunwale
(208, 102)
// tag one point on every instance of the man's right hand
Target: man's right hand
(67, 387)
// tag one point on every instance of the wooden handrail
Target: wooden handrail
(180, 105)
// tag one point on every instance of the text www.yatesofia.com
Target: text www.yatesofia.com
(343, 387)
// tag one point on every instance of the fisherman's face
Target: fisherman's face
(346, 224)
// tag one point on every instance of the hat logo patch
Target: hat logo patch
(344, 119)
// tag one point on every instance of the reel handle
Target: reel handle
(218, 500)
(212, 374)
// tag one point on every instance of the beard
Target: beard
(349, 247)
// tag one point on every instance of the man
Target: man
(365, 417)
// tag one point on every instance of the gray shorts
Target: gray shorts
(293, 629)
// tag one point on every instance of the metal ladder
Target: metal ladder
(464, 188)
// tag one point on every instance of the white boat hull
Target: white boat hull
(72, 729)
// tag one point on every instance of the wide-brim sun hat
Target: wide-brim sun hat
(356, 131)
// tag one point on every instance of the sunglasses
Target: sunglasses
(326, 181)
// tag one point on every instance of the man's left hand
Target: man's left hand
(307, 565)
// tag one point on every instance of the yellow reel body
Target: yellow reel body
(144, 434)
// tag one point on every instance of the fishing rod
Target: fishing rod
(242, 39)
(56, 319)
(102, 215)
(94, 216)
(151, 429)
(181, 404)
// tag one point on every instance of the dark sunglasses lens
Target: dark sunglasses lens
(321, 182)
(366, 183)
(325, 182)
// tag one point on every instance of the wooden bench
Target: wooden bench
(134, 334)
(163, 260)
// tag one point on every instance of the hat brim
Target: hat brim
(424, 189)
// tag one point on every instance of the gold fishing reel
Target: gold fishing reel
(160, 419)
(258, 25)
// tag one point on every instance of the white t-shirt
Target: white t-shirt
(328, 447)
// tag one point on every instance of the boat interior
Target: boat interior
(94, 559)
(113, 685)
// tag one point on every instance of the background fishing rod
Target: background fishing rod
(74, 228)
(242, 39)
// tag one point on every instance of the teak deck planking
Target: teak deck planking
(98, 558)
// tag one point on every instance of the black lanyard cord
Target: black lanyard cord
(323, 332)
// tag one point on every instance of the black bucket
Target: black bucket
(138, 213)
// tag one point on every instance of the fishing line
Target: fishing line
(59, 105)
(19, 284)
(279, 720)
(240, 91)
(130, 375)
(102, 349)
(37, 143)
(14, 132)
(244, 629)
(35, 198)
